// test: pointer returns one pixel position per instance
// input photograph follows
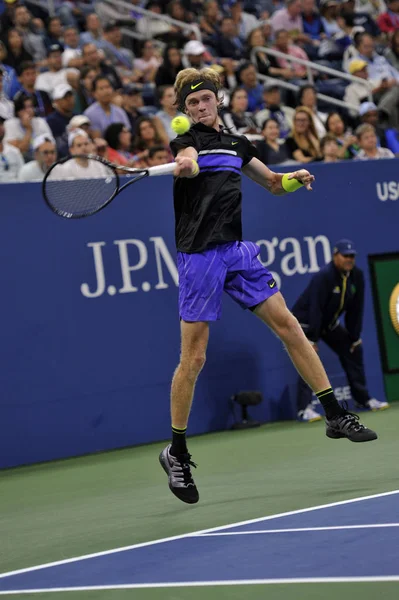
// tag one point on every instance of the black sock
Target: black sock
(330, 403)
(178, 441)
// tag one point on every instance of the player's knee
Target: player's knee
(288, 327)
(197, 362)
(194, 364)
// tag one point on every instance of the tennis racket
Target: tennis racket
(79, 186)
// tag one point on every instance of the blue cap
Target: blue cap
(345, 247)
(130, 89)
(54, 48)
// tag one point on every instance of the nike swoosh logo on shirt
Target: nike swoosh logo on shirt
(272, 284)
(234, 143)
(196, 85)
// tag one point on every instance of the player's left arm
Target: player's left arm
(274, 182)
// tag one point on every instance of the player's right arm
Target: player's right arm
(186, 163)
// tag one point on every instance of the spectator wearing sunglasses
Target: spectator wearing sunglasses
(45, 154)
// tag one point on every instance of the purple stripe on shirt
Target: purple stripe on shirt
(216, 169)
(220, 160)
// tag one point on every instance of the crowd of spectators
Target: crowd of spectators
(78, 70)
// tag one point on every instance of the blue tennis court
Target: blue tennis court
(354, 540)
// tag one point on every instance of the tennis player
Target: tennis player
(213, 257)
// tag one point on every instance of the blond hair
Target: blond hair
(189, 76)
(310, 141)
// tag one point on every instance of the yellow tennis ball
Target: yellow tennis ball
(290, 185)
(180, 125)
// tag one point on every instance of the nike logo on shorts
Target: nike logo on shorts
(272, 283)
(234, 143)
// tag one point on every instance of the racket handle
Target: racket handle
(162, 170)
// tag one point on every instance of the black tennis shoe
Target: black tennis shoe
(347, 425)
(181, 482)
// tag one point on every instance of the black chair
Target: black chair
(245, 399)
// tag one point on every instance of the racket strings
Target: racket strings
(76, 189)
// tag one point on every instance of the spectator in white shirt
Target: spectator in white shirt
(45, 154)
(79, 142)
(56, 74)
(367, 139)
(72, 55)
(11, 160)
(169, 110)
(80, 168)
(21, 130)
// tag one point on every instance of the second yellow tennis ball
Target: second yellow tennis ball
(180, 125)
(290, 185)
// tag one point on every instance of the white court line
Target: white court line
(66, 561)
(181, 584)
(299, 529)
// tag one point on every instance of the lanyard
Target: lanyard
(342, 300)
(40, 102)
(6, 164)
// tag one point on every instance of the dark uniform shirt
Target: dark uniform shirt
(58, 124)
(328, 295)
(208, 207)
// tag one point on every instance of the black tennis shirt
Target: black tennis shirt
(208, 207)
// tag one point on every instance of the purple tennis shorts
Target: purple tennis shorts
(232, 267)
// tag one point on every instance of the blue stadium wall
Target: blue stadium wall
(90, 327)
